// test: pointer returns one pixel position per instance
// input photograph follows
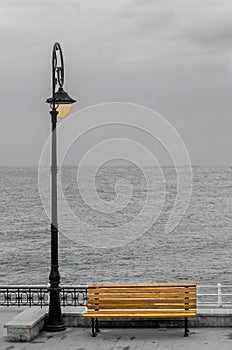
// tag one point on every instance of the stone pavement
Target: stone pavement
(128, 339)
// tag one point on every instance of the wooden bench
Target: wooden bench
(143, 300)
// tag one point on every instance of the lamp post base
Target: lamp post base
(54, 328)
(54, 321)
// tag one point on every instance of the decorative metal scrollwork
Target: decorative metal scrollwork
(57, 67)
(39, 296)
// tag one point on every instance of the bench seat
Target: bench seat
(140, 314)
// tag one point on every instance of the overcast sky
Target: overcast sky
(174, 56)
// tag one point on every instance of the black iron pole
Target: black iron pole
(54, 322)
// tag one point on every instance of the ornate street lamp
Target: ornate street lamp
(61, 104)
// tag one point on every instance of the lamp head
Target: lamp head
(63, 102)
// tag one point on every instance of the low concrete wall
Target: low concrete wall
(205, 318)
(72, 316)
(212, 318)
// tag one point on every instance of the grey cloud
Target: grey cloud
(212, 35)
(170, 55)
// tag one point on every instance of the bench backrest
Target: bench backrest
(142, 296)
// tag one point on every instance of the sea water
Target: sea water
(198, 249)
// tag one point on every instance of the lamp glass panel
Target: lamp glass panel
(62, 109)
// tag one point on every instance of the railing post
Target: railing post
(219, 288)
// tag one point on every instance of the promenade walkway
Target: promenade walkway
(121, 339)
(128, 339)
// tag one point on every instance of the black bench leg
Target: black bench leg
(97, 326)
(186, 330)
(93, 328)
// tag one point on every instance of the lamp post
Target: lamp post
(60, 104)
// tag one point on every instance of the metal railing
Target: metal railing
(214, 296)
(208, 296)
(38, 295)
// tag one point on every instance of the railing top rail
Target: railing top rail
(84, 286)
(40, 286)
(23, 286)
(214, 285)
